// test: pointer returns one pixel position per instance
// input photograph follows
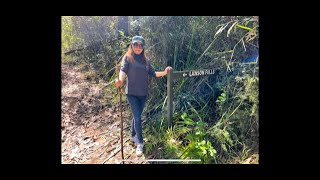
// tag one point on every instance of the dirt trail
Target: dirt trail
(90, 125)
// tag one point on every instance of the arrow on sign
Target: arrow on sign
(184, 74)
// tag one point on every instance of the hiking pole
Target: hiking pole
(120, 104)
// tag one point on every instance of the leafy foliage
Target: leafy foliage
(216, 117)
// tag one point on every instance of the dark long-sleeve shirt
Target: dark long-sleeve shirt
(137, 75)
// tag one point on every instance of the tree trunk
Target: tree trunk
(123, 25)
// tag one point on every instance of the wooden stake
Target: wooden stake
(120, 104)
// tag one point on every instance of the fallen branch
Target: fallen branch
(129, 155)
(101, 153)
(72, 51)
(103, 145)
(113, 154)
(115, 151)
(90, 123)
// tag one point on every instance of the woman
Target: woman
(137, 68)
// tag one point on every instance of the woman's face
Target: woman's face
(137, 47)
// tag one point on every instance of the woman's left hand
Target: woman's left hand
(167, 69)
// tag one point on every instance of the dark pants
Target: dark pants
(136, 104)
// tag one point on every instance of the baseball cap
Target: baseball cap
(138, 39)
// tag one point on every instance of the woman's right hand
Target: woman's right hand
(118, 83)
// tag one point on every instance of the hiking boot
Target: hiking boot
(139, 149)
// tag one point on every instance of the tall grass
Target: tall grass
(227, 102)
(215, 117)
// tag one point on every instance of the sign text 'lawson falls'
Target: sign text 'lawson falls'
(199, 73)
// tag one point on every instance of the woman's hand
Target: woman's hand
(118, 83)
(167, 69)
(163, 73)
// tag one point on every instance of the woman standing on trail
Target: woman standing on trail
(137, 68)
